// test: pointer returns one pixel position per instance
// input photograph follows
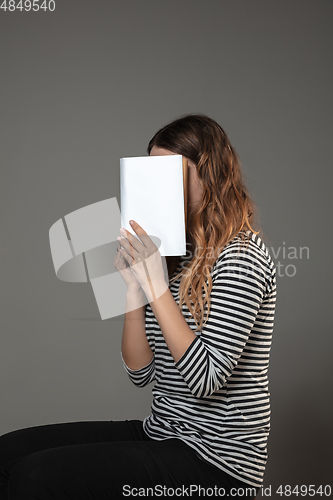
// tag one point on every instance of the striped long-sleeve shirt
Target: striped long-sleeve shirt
(216, 396)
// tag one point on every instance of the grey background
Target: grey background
(93, 81)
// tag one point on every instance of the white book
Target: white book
(153, 192)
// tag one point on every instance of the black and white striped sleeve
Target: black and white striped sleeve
(143, 376)
(239, 287)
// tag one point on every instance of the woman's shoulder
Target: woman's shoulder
(248, 243)
(246, 249)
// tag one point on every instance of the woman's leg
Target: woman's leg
(18, 444)
(100, 460)
(116, 470)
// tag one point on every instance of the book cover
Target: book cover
(153, 192)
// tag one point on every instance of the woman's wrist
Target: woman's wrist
(154, 290)
(135, 299)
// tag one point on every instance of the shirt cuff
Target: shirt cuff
(140, 371)
(190, 358)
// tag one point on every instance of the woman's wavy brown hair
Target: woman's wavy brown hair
(225, 208)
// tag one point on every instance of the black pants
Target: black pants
(104, 460)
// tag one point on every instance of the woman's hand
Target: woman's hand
(121, 265)
(145, 262)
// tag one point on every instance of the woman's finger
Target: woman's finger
(126, 256)
(133, 241)
(119, 261)
(128, 249)
(144, 237)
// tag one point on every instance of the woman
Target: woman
(204, 338)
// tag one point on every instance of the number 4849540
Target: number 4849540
(27, 5)
(304, 490)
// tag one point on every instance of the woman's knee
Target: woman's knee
(8, 442)
(16, 444)
(33, 476)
